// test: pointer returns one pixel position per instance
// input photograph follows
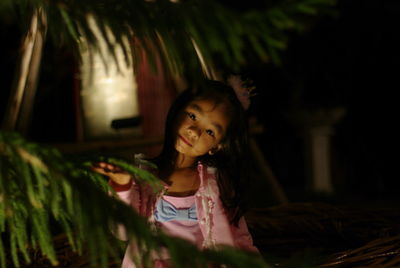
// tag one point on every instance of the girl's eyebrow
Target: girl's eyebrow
(196, 107)
(200, 111)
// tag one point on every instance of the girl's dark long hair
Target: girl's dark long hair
(231, 161)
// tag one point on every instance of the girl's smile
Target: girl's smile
(184, 140)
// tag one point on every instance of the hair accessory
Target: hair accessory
(242, 89)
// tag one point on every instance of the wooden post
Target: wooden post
(19, 109)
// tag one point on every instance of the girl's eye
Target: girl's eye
(210, 132)
(191, 116)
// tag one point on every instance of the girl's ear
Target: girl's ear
(215, 149)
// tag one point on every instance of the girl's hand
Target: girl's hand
(115, 173)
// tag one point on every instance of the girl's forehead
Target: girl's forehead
(209, 106)
(212, 111)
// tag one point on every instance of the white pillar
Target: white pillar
(317, 128)
(319, 142)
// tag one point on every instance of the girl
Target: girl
(203, 167)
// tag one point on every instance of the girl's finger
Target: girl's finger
(107, 167)
(99, 170)
(100, 164)
(111, 167)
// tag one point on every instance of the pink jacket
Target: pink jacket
(214, 223)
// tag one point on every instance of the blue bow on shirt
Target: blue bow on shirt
(165, 211)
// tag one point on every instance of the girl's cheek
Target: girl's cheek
(181, 120)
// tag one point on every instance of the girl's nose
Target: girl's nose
(194, 131)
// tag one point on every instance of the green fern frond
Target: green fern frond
(215, 28)
(44, 193)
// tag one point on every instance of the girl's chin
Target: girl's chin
(181, 149)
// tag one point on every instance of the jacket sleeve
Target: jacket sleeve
(134, 194)
(242, 236)
(130, 195)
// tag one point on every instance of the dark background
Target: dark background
(352, 61)
(349, 60)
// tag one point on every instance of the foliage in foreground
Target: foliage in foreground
(175, 29)
(41, 189)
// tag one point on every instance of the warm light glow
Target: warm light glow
(107, 94)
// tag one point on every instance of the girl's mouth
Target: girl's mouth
(185, 141)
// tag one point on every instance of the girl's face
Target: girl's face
(201, 127)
